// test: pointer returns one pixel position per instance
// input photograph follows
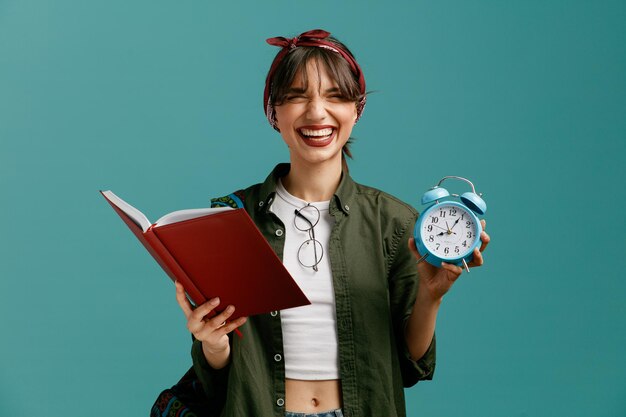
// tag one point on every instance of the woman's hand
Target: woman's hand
(433, 284)
(436, 282)
(212, 332)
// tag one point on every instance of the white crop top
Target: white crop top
(309, 332)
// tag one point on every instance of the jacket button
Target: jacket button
(347, 207)
(274, 313)
(280, 402)
(279, 232)
(277, 357)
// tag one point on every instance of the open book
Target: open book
(215, 252)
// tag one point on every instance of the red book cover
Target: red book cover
(216, 253)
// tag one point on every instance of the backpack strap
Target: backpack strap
(234, 200)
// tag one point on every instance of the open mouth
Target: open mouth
(317, 136)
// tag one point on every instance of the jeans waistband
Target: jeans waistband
(331, 413)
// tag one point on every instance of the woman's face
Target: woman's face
(315, 120)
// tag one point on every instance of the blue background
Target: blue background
(160, 101)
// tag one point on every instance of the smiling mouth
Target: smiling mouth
(318, 136)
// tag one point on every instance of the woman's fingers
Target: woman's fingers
(455, 270)
(477, 260)
(182, 300)
(196, 320)
(229, 327)
(484, 237)
(220, 319)
(216, 339)
(211, 331)
(200, 312)
(204, 328)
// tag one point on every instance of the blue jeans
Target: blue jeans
(332, 413)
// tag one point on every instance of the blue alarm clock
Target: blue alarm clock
(448, 231)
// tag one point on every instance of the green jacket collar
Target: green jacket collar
(341, 202)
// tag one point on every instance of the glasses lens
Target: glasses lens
(310, 253)
(306, 218)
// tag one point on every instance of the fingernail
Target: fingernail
(230, 309)
(215, 301)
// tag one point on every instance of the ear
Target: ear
(274, 122)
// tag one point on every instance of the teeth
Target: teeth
(317, 133)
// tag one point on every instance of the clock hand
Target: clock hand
(449, 231)
(457, 220)
(446, 231)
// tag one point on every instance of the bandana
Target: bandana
(316, 38)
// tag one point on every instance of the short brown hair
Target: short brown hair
(336, 66)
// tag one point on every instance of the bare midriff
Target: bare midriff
(312, 396)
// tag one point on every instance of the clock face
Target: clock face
(449, 231)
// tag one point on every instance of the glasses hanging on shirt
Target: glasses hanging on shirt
(311, 251)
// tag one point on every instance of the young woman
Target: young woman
(369, 331)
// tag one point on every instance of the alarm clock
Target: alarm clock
(448, 231)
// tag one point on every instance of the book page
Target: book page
(181, 215)
(138, 217)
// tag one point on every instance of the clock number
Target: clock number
(464, 243)
(446, 250)
(469, 235)
(452, 212)
(438, 244)
(429, 228)
(456, 249)
(468, 224)
(434, 219)
(442, 213)
(431, 238)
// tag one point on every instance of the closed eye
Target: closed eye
(295, 98)
(337, 97)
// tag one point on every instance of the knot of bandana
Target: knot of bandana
(310, 38)
(315, 38)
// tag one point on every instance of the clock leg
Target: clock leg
(465, 265)
(422, 258)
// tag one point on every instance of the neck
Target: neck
(315, 182)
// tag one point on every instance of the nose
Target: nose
(316, 109)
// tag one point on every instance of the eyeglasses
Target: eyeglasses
(311, 251)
